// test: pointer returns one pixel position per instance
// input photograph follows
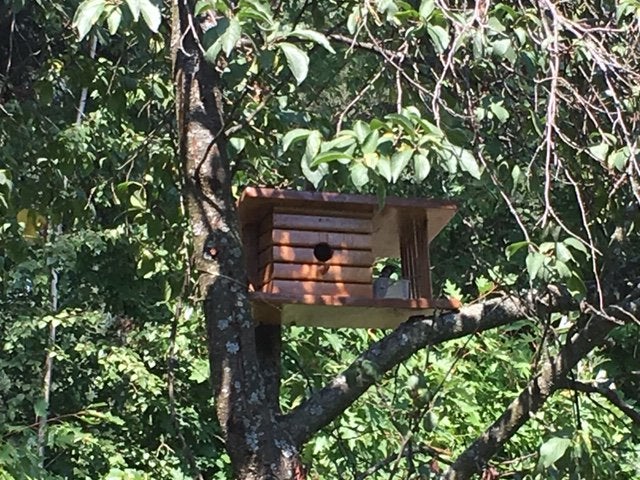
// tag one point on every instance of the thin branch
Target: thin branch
(357, 98)
(608, 393)
(552, 373)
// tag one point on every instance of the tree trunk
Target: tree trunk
(245, 378)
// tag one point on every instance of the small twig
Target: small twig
(608, 393)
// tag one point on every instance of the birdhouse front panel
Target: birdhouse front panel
(325, 253)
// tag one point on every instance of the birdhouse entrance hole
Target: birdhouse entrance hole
(323, 252)
(310, 256)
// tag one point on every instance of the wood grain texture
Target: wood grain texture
(321, 223)
(323, 273)
(300, 238)
(286, 254)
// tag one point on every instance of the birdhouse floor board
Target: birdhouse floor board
(336, 312)
(284, 254)
(300, 238)
(301, 288)
(341, 300)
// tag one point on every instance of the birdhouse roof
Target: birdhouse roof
(256, 203)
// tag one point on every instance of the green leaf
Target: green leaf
(465, 159)
(553, 450)
(399, 161)
(40, 407)
(421, 166)
(87, 15)
(203, 6)
(113, 20)
(326, 157)
(512, 249)
(500, 47)
(361, 130)
(354, 20)
(563, 253)
(469, 164)
(231, 36)
(576, 245)
(199, 371)
(257, 10)
(359, 174)
(314, 36)
(314, 176)
(134, 8)
(426, 8)
(576, 285)
(137, 200)
(294, 136)
(618, 159)
(313, 145)
(599, 151)
(151, 15)
(341, 141)
(499, 111)
(563, 270)
(384, 167)
(534, 263)
(370, 143)
(297, 60)
(404, 121)
(439, 37)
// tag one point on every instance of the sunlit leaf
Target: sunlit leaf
(314, 36)
(150, 14)
(87, 15)
(297, 60)
(399, 160)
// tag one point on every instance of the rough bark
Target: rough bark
(257, 447)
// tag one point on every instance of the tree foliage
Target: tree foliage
(524, 112)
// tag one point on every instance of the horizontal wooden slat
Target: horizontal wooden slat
(298, 238)
(338, 289)
(324, 273)
(288, 221)
(366, 213)
(285, 254)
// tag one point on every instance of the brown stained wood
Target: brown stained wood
(297, 238)
(285, 254)
(301, 288)
(414, 255)
(323, 273)
(318, 223)
(330, 211)
(250, 243)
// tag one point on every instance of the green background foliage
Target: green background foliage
(91, 196)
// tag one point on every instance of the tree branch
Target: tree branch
(606, 392)
(540, 388)
(327, 404)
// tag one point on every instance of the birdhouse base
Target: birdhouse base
(341, 312)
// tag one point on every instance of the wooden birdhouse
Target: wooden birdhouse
(310, 257)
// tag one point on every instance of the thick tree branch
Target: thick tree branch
(327, 404)
(606, 392)
(541, 387)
